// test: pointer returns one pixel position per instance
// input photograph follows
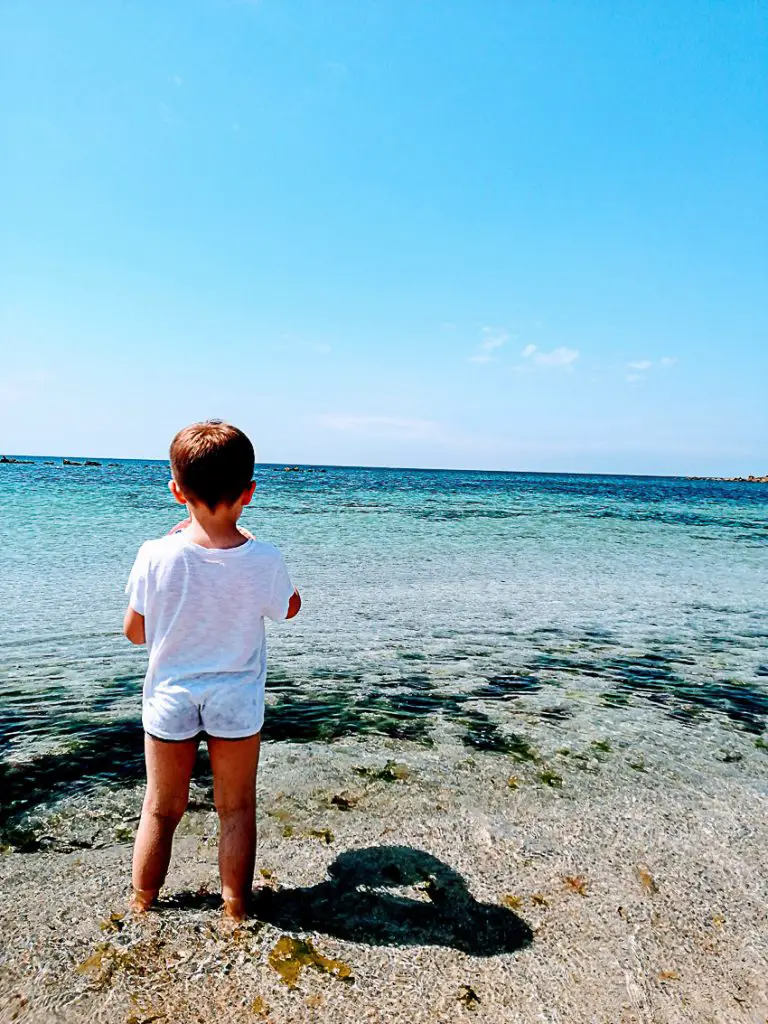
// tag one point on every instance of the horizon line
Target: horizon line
(411, 469)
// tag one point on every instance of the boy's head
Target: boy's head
(212, 463)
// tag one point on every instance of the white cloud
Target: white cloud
(562, 357)
(633, 378)
(493, 343)
(494, 339)
(382, 426)
(640, 364)
(669, 360)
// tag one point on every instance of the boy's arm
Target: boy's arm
(136, 589)
(133, 626)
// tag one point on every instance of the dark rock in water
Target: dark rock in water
(507, 687)
(15, 462)
(469, 997)
(556, 714)
(70, 462)
(733, 479)
(391, 772)
(729, 756)
(550, 778)
(91, 462)
(344, 801)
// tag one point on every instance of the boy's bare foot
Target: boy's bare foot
(142, 900)
(235, 908)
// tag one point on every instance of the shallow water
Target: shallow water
(499, 611)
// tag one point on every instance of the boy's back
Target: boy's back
(204, 611)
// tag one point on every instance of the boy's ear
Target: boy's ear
(177, 492)
(248, 493)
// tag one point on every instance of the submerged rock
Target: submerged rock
(469, 997)
(391, 772)
(344, 801)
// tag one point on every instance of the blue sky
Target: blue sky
(513, 235)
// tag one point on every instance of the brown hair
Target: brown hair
(212, 462)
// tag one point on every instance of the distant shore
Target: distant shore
(732, 479)
(9, 460)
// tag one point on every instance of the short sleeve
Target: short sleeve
(280, 592)
(136, 588)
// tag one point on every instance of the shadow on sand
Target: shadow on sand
(359, 902)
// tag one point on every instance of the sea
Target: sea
(512, 613)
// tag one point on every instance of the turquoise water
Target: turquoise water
(485, 609)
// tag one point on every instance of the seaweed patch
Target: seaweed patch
(483, 734)
(391, 772)
(550, 778)
(290, 956)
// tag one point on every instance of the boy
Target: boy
(198, 598)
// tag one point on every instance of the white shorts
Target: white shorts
(228, 711)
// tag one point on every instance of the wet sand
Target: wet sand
(610, 882)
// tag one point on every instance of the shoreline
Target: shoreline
(595, 891)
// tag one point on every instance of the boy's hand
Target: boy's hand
(294, 605)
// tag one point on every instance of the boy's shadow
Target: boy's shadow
(354, 904)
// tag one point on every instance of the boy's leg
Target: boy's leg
(234, 764)
(169, 769)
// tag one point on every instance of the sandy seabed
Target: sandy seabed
(412, 884)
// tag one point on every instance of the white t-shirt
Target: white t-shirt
(204, 611)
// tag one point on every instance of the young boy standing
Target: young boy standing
(198, 599)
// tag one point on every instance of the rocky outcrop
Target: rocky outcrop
(732, 479)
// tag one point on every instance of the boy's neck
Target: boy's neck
(217, 529)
